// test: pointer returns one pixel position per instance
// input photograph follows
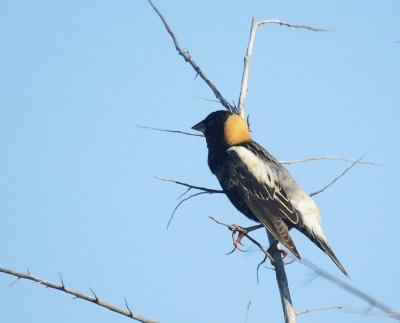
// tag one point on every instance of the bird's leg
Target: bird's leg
(273, 248)
(242, 232)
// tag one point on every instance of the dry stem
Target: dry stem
(63, 288)
(188, 58)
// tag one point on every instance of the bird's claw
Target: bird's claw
(274, 249)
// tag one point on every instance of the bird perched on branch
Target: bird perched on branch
(258, 185)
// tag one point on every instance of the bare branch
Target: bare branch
(253, 30)
(67, 290)
(283, 23)
(188, 58)
(207, 190)
(341, 175)
(172, 131)
(245, 76)
(276, 259)
(281, 279)
(373, 302)
(297, 161)
(327, 308)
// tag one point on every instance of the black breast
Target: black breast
(218, 161)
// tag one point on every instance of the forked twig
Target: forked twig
(338, 177)
(203, 190)
(183, 201)
(245, 77)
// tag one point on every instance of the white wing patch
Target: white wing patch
(308, 210)
(256, 165)
(276, 178)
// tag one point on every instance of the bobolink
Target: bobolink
(258, 185)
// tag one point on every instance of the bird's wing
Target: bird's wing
(258, 185)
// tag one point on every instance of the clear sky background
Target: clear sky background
(77, 189)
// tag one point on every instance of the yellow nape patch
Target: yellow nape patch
(236, 130)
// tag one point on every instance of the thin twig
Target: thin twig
(188, 58)
(297, 161)
(247, 311)
(373, 302)
(341, 175)
(14, 282)
(203, 190)
(283, 23)
(327, 308)
(181, 202)
(80, 295)
(208, 190)
(172, 131)
(207, 99)
(284, 162)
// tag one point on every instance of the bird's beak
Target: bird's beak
(199, 127)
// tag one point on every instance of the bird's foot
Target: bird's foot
(242, 232)
(273, 249)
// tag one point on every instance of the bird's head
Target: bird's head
(223, 128)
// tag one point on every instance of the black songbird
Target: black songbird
(258, 185)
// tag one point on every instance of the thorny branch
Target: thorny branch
(188, 58)
(289, 315)
(65, 289)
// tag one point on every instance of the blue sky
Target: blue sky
(77, 187)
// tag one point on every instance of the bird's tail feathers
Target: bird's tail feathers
(323, 245)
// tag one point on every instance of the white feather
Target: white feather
(300, 200)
